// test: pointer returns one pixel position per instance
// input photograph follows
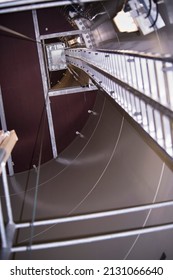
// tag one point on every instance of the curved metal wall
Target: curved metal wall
(111, 167)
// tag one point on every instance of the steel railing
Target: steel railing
(140, 83)
(7, 232)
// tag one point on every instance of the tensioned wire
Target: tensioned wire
(40, 131)
(37, 182)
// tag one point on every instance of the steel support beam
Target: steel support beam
(13, 3)
(4, 127)
(40, 6)
(71, 90)
(64, 34)
(96, 238)
(7, 193)
(45, 85)
(97, 215)
(9, 237)
(2, 228)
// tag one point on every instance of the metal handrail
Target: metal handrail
(97, 215)
(152, 71)
(140, 84)
(7, 243)
(153, 56)
(93, 238)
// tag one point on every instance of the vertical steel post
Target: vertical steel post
(4, 127)
(164, 70)
(136, 74)
(46, 64)
(45, 85)
(142, 77)
(7, 194)
(2, 228)
(149, 80)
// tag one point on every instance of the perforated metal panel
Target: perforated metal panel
(56, 56)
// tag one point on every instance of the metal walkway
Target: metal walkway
(140, 83)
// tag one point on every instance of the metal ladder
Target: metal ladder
(139, 82)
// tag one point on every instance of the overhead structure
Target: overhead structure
(24, 5)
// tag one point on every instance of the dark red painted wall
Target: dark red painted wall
(52, 21)
(23, 93)
(70, 113)
(22, 88)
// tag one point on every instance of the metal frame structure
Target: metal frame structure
(45, 84)
(7, 233)
(106, 73)
(63, 34)
(121, 75)
(25, 5)
(40, 39)
(4, 127)
(71, 90)
(93, 238)
(140, 83)
(80, 23)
